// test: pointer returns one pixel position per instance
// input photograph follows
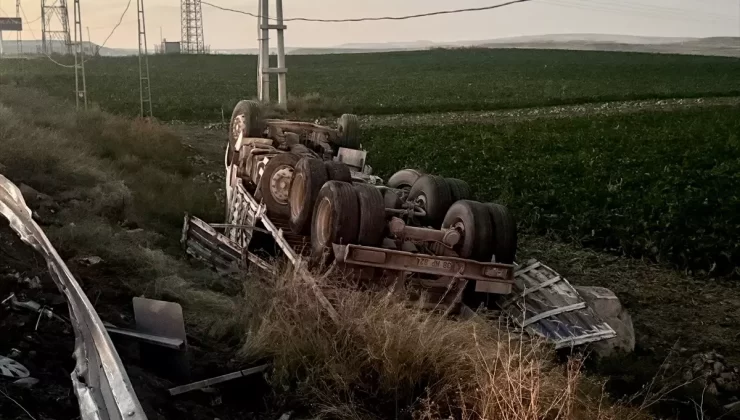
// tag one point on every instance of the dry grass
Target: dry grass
(49, 146)
(108, 175)
(388, 359)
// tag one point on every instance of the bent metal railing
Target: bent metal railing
(103, 389)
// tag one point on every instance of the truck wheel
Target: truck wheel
(392, 200)
(310, 176)
(473, 221)
(404, 178)
(247, 120)
(338, 171)
(433, 194)
(505, 235)
(275, 183)
(349, 131)
(460, 189)
(372, 215)
(336, 218)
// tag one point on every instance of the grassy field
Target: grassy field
(656, 184)
(200, 87)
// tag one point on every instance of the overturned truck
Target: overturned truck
(305, 192)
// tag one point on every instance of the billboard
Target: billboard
(11, 24)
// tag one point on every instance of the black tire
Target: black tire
(434, 195)
(505, 234)
(474, 222)
(349, 131)
(372, 215)
(392, 200)
(300, 149)
(338, 171)
(460, 189)
(336, 219)
(253, 123)
(404, 178)
(309, 177)
(277, 199)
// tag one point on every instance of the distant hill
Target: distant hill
(719, 46)
(34, 47)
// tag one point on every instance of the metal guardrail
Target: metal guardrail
(102, 386)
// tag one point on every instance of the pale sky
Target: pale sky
(225, 30)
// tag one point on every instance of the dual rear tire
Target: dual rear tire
(346, 214)
(488, 231)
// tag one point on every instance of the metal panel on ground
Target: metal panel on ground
(547, 305)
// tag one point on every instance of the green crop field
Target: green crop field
(657, 184)
(200, 87)
(664, 185)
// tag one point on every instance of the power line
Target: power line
(120, 20)
(367, 19)
(622, 7)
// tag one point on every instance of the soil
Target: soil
(39, 349)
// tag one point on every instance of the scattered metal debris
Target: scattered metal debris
(12, 369)
(32, 282)
(89, 261)
(100, 382)
(217, 380)
(32, 306)
(170, 343)
(27, 382)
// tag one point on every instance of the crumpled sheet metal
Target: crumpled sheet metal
(103, 389)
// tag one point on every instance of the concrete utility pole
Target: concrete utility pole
(19, 38)
(80, 81)
(145, 90)
(263, 67)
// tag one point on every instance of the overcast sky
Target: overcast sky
(674, 18)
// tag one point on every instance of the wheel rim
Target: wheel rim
(460, 227)
(280, 184)
(238, 127)
(421, 201)
(297, 195)
(323, 222)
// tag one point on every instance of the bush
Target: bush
(389, 359)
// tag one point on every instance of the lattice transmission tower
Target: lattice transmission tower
(191, 27)
(264, 70)
(55, 26)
